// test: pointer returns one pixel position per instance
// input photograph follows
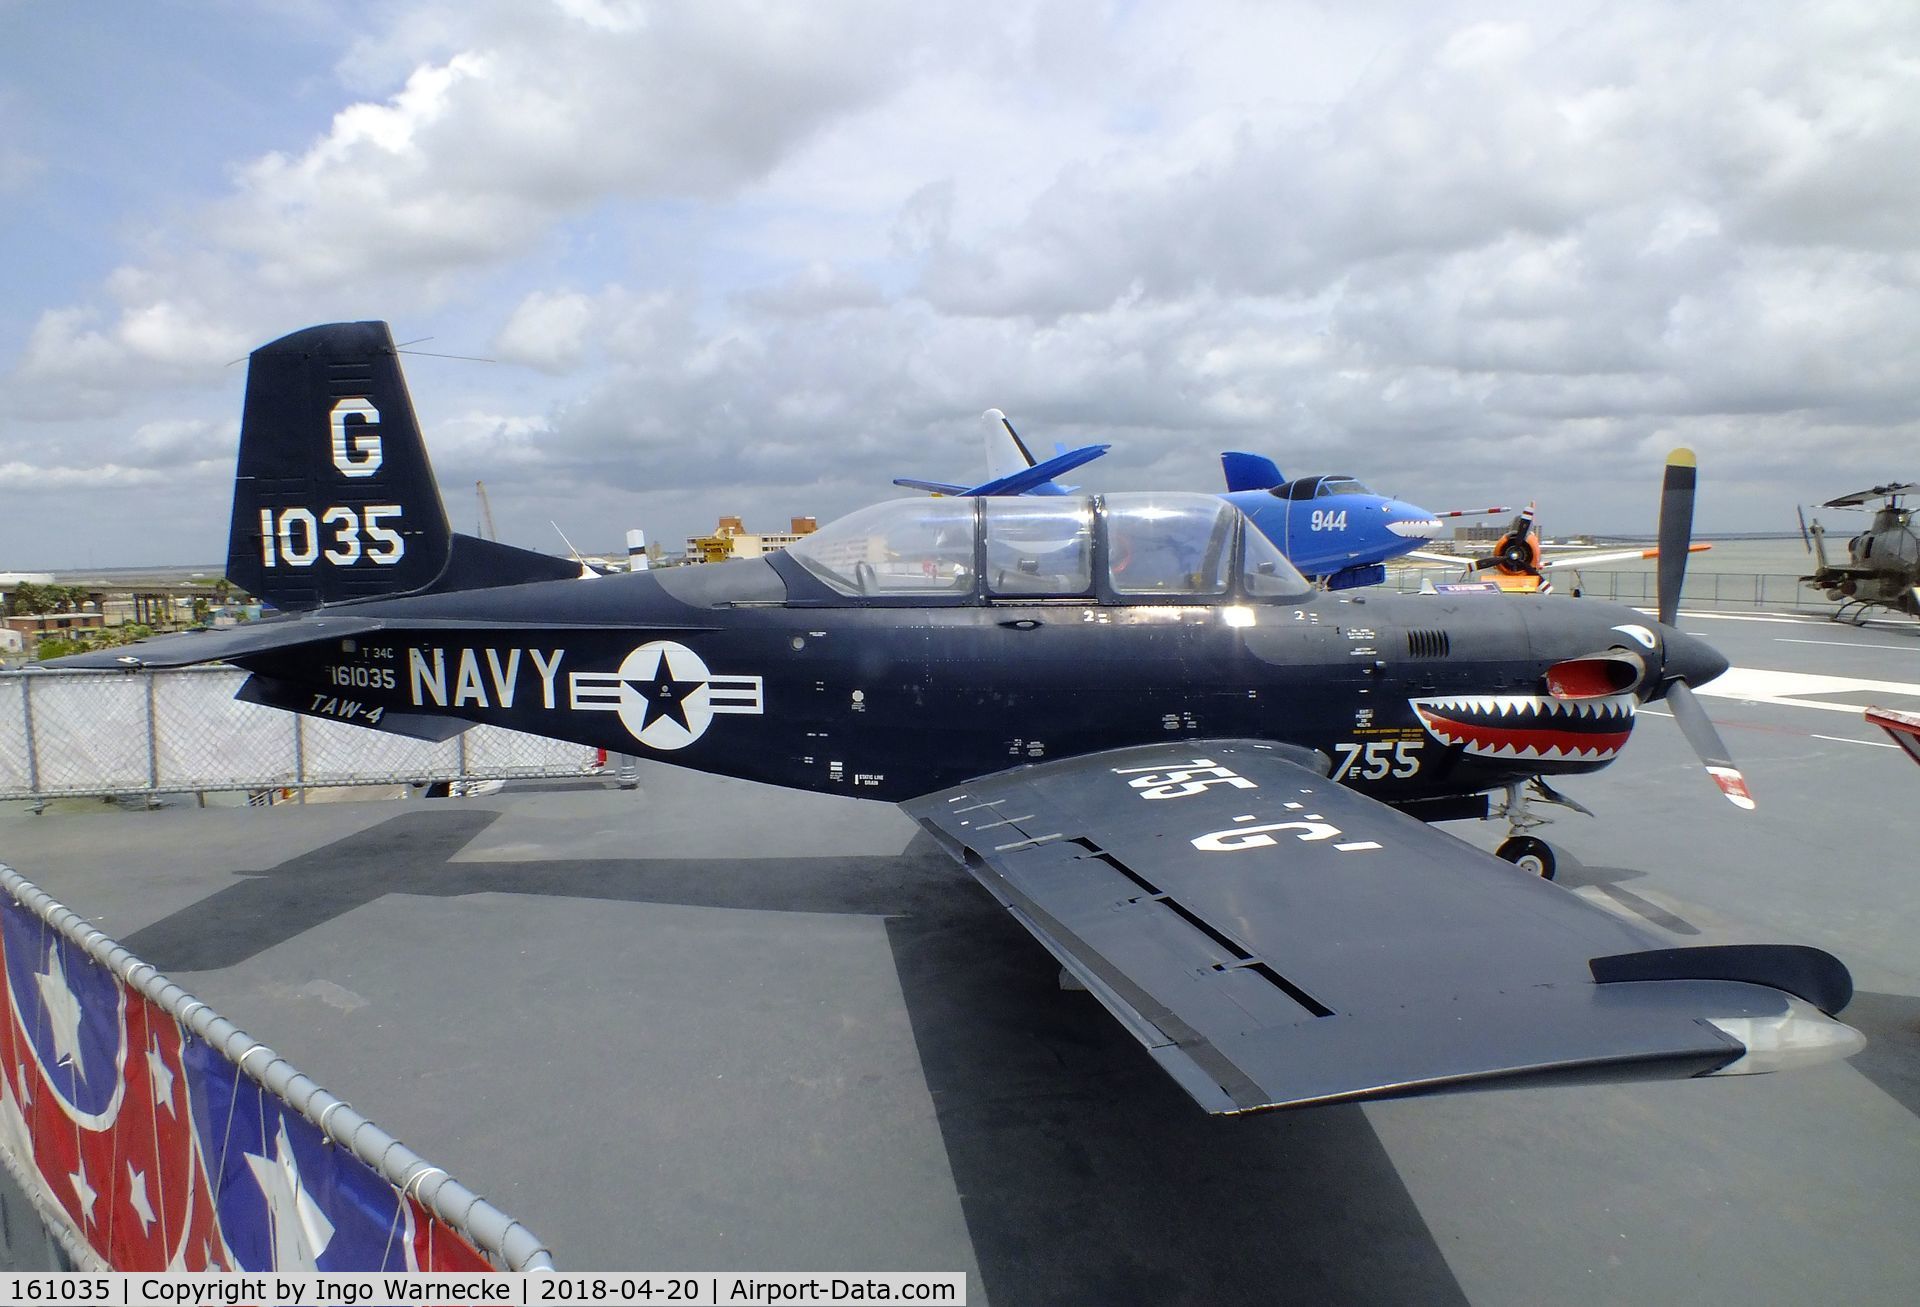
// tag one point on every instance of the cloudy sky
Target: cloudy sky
(762, 258)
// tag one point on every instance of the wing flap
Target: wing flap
(1275, 939)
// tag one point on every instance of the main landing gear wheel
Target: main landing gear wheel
(1529, 854)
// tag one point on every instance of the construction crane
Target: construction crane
(486, 512)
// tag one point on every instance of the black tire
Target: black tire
(1529, 854)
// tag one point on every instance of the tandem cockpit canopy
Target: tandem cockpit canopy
(1127, 548)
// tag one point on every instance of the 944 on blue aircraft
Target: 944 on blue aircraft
(1332, 528)
(1194, 779)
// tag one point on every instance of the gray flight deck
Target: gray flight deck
(712, 1025)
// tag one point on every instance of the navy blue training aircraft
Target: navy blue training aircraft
(1332, 528)
(1194, 778)
(1011, 469)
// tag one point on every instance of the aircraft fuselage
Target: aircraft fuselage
(1409, 696)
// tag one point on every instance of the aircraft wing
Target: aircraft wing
(1019, 483)
(931, 487)
(1278, 940)
(1612, 556)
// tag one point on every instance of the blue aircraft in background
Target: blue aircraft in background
(1333, 528)
(1011, 468)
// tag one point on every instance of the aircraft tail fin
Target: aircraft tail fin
(1250, 472)
(334, 498)
(1007, 454)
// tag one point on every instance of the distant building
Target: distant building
(731, 539)
(33, 626)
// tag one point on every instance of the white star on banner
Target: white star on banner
(63, 1010)
(301, 1231)
(85, 1192)
(137, 1197)
(162, 1077)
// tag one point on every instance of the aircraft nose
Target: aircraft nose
(1690, 658)
(1410, 522)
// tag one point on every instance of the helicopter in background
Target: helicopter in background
(1883, 562)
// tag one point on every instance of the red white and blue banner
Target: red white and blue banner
(162, 1154)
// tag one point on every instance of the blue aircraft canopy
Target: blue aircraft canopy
(1153, 545)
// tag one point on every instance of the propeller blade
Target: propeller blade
(1676, 530)
(1698, 728)
(1805, 539)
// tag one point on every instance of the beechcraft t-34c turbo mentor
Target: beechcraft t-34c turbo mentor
(1194, 779)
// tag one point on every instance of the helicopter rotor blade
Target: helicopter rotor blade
(1676, 529)
(1706, 742)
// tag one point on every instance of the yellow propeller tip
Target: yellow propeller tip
(1682, 457)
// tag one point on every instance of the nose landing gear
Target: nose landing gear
(1528, 852)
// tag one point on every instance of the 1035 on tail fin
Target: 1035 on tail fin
(334, 498)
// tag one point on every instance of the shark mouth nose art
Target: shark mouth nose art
(1530, 726)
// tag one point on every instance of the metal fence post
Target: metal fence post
(33, 750)
(463, 755)
(153, 739)
(300, 754)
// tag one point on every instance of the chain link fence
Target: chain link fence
(68, 734)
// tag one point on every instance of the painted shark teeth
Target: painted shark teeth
(1530, 728)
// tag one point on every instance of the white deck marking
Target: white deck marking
(1848, 739)
(1758, 685)
(1785, 619)
(1782, 619)
(1849, 644)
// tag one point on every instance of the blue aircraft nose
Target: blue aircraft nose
(1410, 521)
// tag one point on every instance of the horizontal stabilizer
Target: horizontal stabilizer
(931, 487)
(1278, 940)
(192, 647)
